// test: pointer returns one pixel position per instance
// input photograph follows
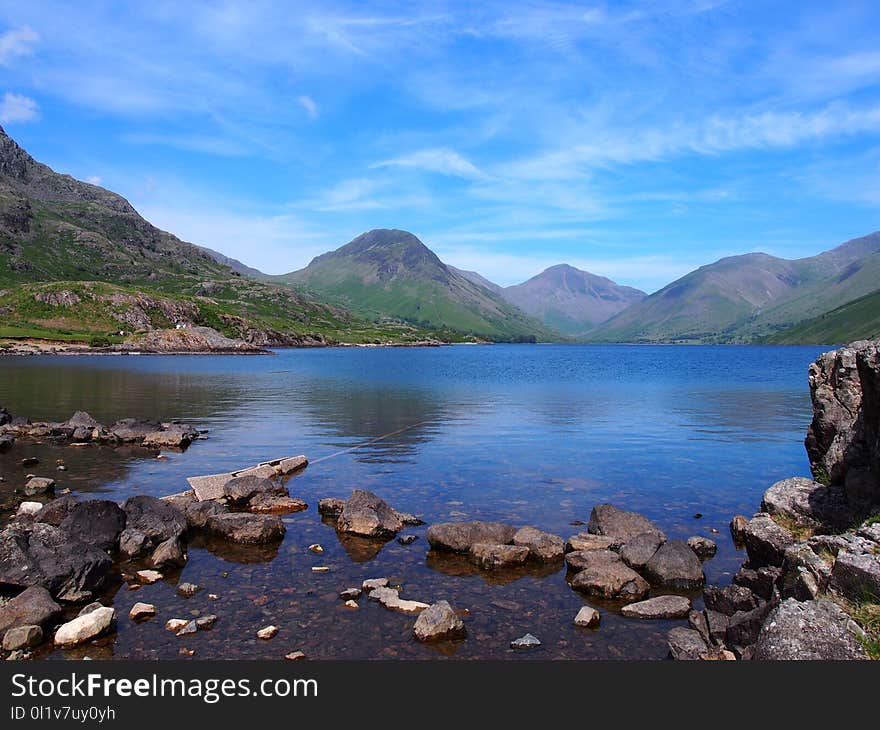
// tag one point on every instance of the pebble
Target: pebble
(316, 548)
(350, 593)
(526, 642)
(320, 568)
(587, 617)
(186, 652)
(175, 624)
(373, 583)
(351, 604)
(61, 467)
(407, 539)
(206, 622)
(188, 590)
(188, 628)
(295, 656)
(213, 597)
(267, 633)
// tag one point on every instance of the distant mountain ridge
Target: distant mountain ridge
(570, 300)
(391, 273)
(750, 297)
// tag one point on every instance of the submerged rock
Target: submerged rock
(389, 598)
(809, 630)
(438, 621)
(460, 537)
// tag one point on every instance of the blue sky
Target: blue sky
(635, 140)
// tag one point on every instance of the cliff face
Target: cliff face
(843, 441)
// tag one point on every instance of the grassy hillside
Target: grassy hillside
(392, 274)
(856, 320)
(748, 298)
(76, 260)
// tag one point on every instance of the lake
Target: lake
(522, 434)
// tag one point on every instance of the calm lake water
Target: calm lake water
(522, 434)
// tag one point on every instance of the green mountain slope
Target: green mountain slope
(391, 273)
(856, 320)
(57, 234)
(749, 297)
(570, 300)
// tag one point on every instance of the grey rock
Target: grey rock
(804, 574)
(132, 430)
(528, 641)
(206, 623)
(586, 541)
(155, 518)
(277, 504)
(169, 554)
(6, 442)
(490, 556)
(718, 625)
(55, 512)
(543, 546)
(174, 436)
(141, 611)
(38, 485)
(640, 549)
(729, 599)
(188, 590)
(199, 514)
(698, 622)
(587, 617)
(675, 566)
(583, 559)
(438, 621)
(97, 522)
(368, 515)
(239, 490)
(611, 580)
(33, 606)
(331, 506)
(703, 547)
(85, 628)
(808, 630)
(22, 637)
(245, 528)
(349, 594)
(134, 543)
(461, 536)
(621, 525)
(857, 577)
(766, 541)
(407, 539)
(738, 528)
(686, 644)
(744, 626)
(760, 581)
(808, 504)
(658, 607)
(843, 441)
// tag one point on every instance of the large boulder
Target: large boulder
(155, 518)
(729, 599)
(640, 549)
(675, 566)
(843, 441)
(543, 546)
(70, 569)
(857, 577)
(766, 541)
(56, 511)
(33, 606)
(438, 621)
(240, 490)
(460, 537)
(97, 522)
(367, 515)
(611, 580)
(620, 524)
(246, 528)
(808, 504)
(808, 630)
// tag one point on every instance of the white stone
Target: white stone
(86, 627)
(267, 633)
(149, 576)
(389, 598)
(28, 508)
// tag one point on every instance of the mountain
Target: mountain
(569, 300)
(856, 320)
(237, 266)
(77, 260)
(750, 297)
(478, 279)
(388, 273)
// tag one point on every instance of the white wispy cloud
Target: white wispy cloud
(309, 104)
(16, 43)
(17, 108)
(440, 160)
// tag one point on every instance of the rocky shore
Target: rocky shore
(809, 588)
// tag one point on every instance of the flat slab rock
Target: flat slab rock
(586, 541)
(659, 607)
(543, 546)
(808, 630)
(390, 598)
(211, 486)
